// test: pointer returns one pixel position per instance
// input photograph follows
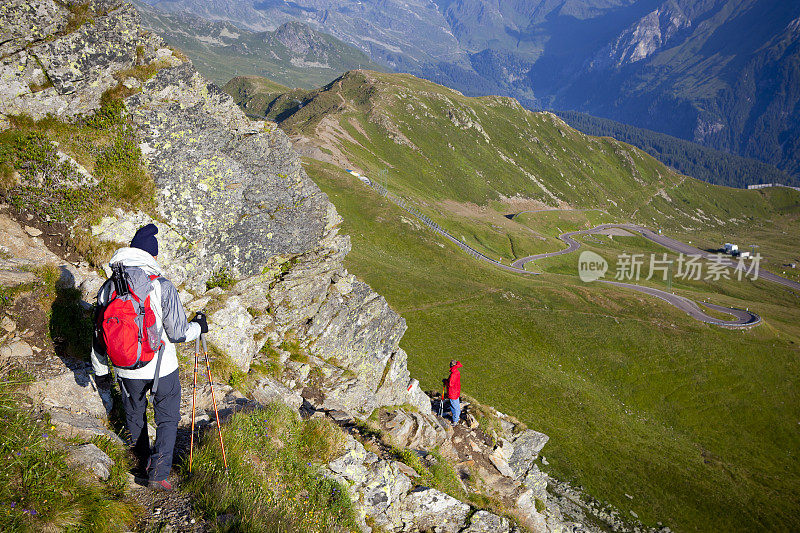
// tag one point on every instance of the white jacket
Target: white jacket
(168, 310)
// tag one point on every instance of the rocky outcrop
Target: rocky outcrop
(429, 509)
(231, 193)
(419, 431)
(645, 37)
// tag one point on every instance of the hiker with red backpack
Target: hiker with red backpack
(140, 318)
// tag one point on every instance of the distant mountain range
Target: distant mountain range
(724, 73)
(292, 53)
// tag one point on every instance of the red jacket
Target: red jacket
(454, 383)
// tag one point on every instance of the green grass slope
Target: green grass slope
(450, 153)
(697, 423)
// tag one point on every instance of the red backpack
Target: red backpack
(129, 330)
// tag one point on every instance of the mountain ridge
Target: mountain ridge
(717, 73)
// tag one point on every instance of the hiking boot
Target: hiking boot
(162, 485)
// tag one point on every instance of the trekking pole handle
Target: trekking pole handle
(203, 340)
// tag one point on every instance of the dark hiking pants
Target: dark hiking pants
(167, 408)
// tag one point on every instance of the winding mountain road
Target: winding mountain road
(742, 318)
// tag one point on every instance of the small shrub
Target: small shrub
(79, 14)
(321, 440)
(296, 353)
(222, 278)
(440, 475)
(117, 483)
(369, 429)
(272, 361)
(110, 113)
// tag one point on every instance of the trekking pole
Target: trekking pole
(214, 401)
(194, 395)
(441, 403)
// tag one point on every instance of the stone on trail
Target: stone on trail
(486, 522)
(93, 459)
(267, 391)
(430, 509)
(16, 349)
(8, 325)
(83, 426)
(73, 390)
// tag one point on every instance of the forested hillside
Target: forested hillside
(689, 158)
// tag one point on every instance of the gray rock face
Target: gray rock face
(46, 71)
(268, 390)
(91, 458)
(486, 522)
(429, 509)
(526, 449)
(536, 481)
(234, 189)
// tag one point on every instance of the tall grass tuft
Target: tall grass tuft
(38, 491)
(274, 481)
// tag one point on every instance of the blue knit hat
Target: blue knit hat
(145, 239)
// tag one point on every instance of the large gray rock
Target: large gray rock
(536, 480)
(418, 431)
(486, 522)
(83, 426)
(429, 509)
(74, 391)
(376, 485)
(50, 72)
(527, 446)
(361, 331)
(267, 390)
(535, 521)
(232, 188)
(23, 22)
(232, 331)
(92, 458)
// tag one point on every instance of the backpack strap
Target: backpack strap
(158, 369)
(155, 277)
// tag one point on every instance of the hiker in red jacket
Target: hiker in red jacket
(454, 390)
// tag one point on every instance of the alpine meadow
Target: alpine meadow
(696, 422)
(399, 266)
